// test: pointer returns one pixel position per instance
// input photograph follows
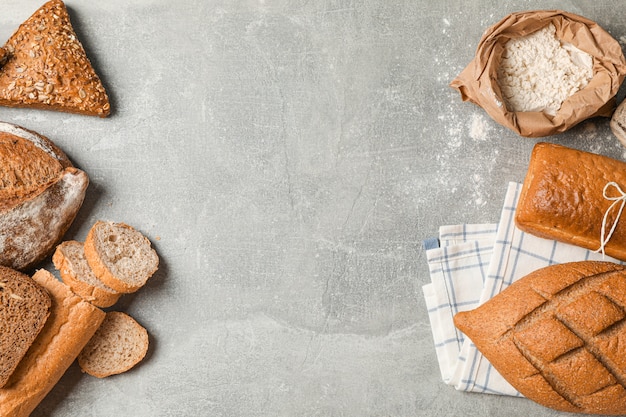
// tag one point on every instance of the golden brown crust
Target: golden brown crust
(71, 324)
(47, 67)
(558, 336)
(562, 198)
(99, 296)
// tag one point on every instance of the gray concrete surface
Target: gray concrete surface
(287, 158)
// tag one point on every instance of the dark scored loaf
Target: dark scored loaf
(563, 198)
(558, 336)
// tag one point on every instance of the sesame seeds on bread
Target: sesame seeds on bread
(69, 259)
(24, 309)
(118, 345)
(120, 256)
(46, 67)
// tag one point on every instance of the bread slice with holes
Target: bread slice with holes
(69, 259)
(558, 335)
(40, 195)
(120, 256)
(46, 67)
(24, 309)
(118, 345)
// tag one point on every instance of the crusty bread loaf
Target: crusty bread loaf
(558, 336)
(69, 259)
(40, 195)
(562, 198)
(24, 309)
(118, 345)
(71, 324)
(120, 256)
(46, 67)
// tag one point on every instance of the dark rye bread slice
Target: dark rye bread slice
(120, 256)
(558, 336)
(24, 309)
(40, 195)
(119, 344)
(46, 67)
(69, 259)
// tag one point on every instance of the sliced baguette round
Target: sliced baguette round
(69, 259)
(119, 344)
(120, 256)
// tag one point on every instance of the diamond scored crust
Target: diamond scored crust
(559, 336)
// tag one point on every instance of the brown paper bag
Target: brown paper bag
(478, 81)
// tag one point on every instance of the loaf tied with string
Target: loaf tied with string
(575, 197)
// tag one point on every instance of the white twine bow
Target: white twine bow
(621, 199)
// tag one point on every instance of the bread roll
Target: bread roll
(563, 199)
(558, 336)
(72, 322)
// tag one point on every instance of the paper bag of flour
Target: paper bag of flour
(479, 82)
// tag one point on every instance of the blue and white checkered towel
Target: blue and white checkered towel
(468, 265)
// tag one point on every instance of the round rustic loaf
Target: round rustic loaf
(40, 195)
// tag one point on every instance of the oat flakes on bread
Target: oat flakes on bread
(120, 256)
(69, 259)
(46, 67)
(71, 324)
(119, 344)
(24, 309)
(40, 195)
(558, 335)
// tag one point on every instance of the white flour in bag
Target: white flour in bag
(538, 72)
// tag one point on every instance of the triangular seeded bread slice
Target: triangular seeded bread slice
(46, 67)
(69, 259)
(119, 344)
(120, 256)
(24, 309)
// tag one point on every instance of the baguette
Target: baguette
(40, 195)
(563, 199)
(558, 336)
(46, 67)
(72, 322)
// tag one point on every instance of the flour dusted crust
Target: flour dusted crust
(39, 206)
(46, 67)
(558, 336)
